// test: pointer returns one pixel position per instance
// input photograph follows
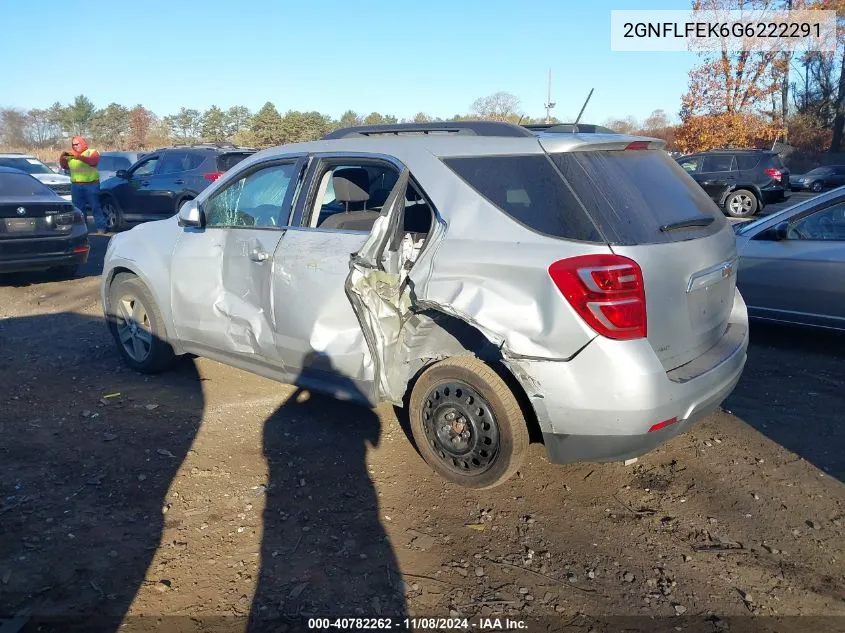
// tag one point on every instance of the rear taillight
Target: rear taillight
(213, 175)
(607, 291)
(78, 217)
(637, 145)
(776, 174)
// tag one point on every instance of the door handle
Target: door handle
(179, 182)
(258, 255)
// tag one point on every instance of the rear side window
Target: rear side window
(719, 162)
(227, 161)
(632, 194)
(171, 163)
(528, 189)
(776, 162)
(192, 161)
(747, 161)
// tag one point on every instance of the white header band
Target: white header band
(715, 30)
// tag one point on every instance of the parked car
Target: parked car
(792, 263)
(819, 179)
(161, 181)
(486, 278)
(56, 168)
(741, 182)
(38, 229)
(112, 162)
(59, 183)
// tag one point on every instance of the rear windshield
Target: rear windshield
(21, 185)
(227, 161)
(528, 189)
(636, 196)
(29, 165)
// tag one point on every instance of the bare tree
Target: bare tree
(500, 106)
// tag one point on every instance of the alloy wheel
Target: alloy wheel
(134, 328)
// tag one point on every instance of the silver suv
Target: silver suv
(491, 280)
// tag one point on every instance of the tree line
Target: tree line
(136, 128)
(756, 98)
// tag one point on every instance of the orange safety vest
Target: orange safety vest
(81, 172)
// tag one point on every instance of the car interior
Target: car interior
(351, 197)
(828, 224)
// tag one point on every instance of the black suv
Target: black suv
(740, 181)
(161, 181)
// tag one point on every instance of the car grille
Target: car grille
(61, 189)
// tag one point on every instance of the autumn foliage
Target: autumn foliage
(728, 129)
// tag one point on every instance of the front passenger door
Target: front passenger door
(719, 175)
(130, 194)
(222, 274)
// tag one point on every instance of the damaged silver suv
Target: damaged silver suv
(493, 281)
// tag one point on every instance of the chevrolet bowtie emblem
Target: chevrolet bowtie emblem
(21, 211)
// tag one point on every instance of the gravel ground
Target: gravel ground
(208, 494)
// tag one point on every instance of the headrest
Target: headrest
(351, 184)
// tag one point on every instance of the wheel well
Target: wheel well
(183, 198)
(117, 270)
(442, 335)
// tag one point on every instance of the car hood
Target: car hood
(53, 179)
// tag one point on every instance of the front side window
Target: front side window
(146, 168)
(827, 224)
(257, 199)
(691, 165)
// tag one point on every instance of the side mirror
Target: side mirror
(122, 173)
(190, 214)
(780, 231)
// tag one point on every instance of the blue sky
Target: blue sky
(391, 57)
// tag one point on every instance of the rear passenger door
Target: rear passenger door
(320, 336)
(718, 175)
(165, 184)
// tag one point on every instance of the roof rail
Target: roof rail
(468, 128)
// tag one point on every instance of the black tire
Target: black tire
(126, 293)
(113, 214)
(484, 441)
(180, 202)
(816, 187)
(741, 204)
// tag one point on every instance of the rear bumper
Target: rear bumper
(43, 253)
(600, 405)
(776, 193)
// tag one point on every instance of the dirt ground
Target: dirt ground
(210, 496)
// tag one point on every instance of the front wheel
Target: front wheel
(816, 187)
(741, 204)
(137, 326)
(467, 424)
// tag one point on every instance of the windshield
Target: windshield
(29, 165)
(21, 185)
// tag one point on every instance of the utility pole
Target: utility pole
(549, 103)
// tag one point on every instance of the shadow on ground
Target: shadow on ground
(773, 397)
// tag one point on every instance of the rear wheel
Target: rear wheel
(467, 424)
(137, 326)
(741, 204)
(112, 213)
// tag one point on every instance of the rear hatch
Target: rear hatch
(648, 209)
(37, 216)
(775, 169)
(228, 160)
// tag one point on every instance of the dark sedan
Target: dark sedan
(819, 178)
(38, 229)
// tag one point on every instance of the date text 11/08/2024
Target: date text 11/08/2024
(417, 624)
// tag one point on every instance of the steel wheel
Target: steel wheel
(134, 328)
(460, 427)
